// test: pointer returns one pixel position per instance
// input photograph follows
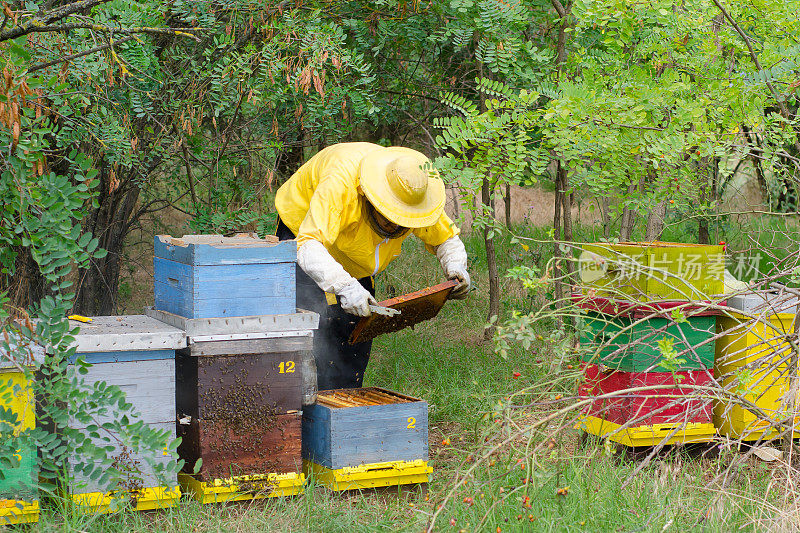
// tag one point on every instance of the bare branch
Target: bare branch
(182, 32)
(562, 12)
(50, 17)
(80, 54)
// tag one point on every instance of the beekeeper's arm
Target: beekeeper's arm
(317, 232)
(442, 239)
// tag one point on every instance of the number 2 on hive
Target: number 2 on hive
(412, 422)
(286, 367)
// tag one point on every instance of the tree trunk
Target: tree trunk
(605, 213)
(703, 236)
(755, 154)
(566, 203)
(655, 222)
(491, 260)
(558, 288)
(655, 218)
(507, 201)
(628, 218)
(27, 286)
(456, 201)
(626, 225)
(110, 223)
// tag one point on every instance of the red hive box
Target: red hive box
(649, 407)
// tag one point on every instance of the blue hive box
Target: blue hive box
(210, 276)
(353, 427)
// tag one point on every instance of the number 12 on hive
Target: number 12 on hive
(286, 367)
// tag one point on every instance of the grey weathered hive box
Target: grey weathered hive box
(206, 276)
(137, 354)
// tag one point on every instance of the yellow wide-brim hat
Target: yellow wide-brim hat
(403, 186)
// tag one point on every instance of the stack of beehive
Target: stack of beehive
(240, 382)
(648, 340)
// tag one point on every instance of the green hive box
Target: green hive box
(18, 495)
(653, 270)
(631, 344)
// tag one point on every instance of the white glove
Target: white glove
(355, 299)
(453, 258)
(315, 260)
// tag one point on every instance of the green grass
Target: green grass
(446, 362)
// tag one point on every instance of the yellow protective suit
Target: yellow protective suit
(322, 201)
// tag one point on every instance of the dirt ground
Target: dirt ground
(528, 204)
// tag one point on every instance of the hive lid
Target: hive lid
(764, 302)
(126, 333)
(35, 353)
(238, 240)
(241, 249)
(302, 320)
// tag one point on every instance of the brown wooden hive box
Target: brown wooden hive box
(239, 406)
(242, 446)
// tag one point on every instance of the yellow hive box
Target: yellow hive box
(239, 488)
(752, 353)
(21, 403)
(656, 270)
(19, 506)
(648, 435)
(370, 475)
(18, 512)
(141, 500)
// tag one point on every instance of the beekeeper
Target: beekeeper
(350, 207)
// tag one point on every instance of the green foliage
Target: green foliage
(41, 221)
(494, 146)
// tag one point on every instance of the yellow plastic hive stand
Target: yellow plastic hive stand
(240, 488)
(142, 500)
(370, 475)
(18, 512)
(648, 435)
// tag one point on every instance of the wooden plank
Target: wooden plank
(19, 482)
(656, 270)
(227, 281)
(173, 300)
(138, 466)
(126, 333)
(317, 433)
(637, 345)
(123, 356)
(149, 386)
(379, 433)
(658, 406)
(236, 253)
(251, 346)
(300, 320)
